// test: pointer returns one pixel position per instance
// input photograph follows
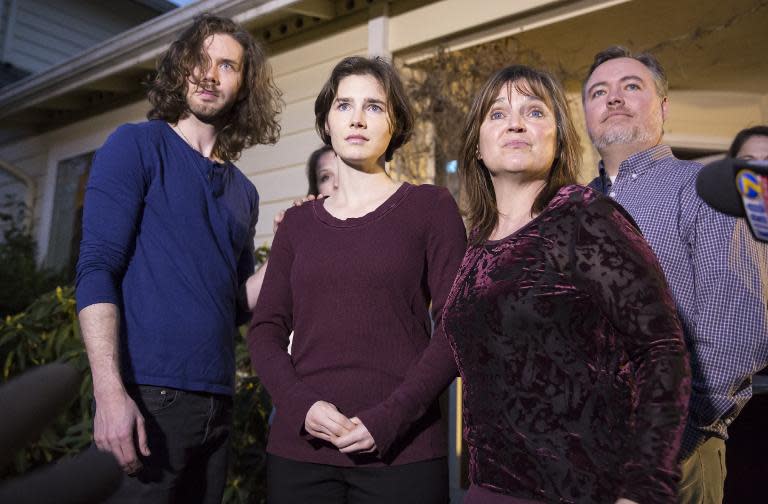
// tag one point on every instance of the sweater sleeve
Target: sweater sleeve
(436, 368)
(114, 199)
(270, 329)
(618, 269)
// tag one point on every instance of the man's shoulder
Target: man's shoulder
(139, 133)
(682, 169)
(153, 127)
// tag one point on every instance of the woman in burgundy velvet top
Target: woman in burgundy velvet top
(574, 369)
(353, 276)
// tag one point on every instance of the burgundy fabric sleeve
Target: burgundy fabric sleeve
(436, 368)
(615, 265)
(270, 329)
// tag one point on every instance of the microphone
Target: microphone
(35, 398)
(89, 477)
(29, 402)
(738, 188)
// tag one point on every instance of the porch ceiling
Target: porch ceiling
(703, 44)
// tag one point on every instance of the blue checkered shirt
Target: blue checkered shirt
(718, 276)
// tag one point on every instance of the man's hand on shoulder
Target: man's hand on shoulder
(118, 427)
(298, 202)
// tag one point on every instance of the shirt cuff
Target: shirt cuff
(98, 286)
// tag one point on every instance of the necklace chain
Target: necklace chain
(178, 127)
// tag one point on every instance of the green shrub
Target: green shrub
(21, 279)
(47, 331)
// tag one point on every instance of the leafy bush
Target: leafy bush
(22, 280)
(48, 331)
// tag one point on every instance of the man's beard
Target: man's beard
(630, 135)
(209, 114)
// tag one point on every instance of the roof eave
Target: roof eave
(136, 47)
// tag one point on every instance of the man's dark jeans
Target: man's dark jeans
(188, 437)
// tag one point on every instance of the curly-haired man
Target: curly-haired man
(167, 248)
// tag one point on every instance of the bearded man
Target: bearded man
(717, 273)
(167, 249)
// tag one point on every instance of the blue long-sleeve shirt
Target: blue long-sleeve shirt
(168, 238)
(717, 275)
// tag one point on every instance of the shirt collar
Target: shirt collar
(638, 162)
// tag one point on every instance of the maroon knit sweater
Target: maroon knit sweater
(357, 294)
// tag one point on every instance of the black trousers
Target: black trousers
(188, 437)
(293, 482)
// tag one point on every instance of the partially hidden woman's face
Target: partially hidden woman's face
(327, 174)
(754, 149)
(518, 135)
(358, 122)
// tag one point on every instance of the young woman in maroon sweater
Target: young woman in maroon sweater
(353, 276)
(574, 369)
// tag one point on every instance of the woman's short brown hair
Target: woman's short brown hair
(253, 117)
(481, 210)
(399, 108)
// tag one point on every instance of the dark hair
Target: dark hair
(481, 209)
(399, 108)
(647, 59)
(744, 135)
(253, 117)
(314, 159)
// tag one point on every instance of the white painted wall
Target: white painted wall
(710, 120)
(697, 119)
(446, 18)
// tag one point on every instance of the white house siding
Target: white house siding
(44, 32)
(279, 171)
(38, 157)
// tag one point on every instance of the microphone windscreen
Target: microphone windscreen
(34, 398)
(715, 185)
(88, 478)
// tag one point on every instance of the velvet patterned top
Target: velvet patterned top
(574, 369)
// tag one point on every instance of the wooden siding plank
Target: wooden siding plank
(329, 49)
(280, 185)
(298, 116)
(291, 150)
